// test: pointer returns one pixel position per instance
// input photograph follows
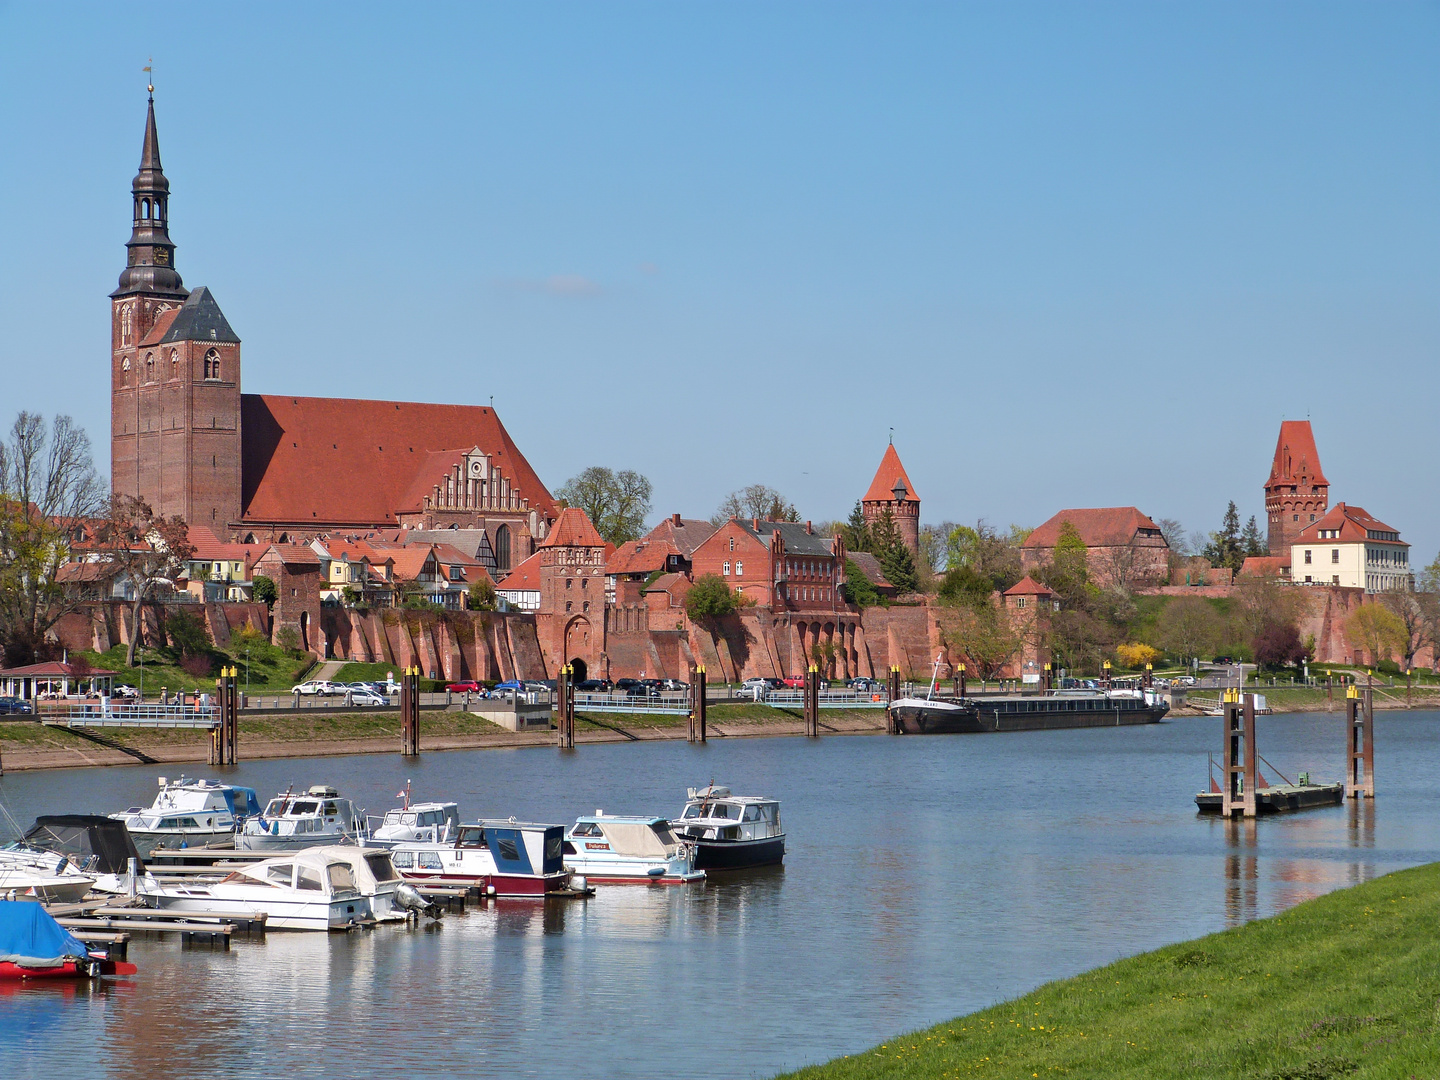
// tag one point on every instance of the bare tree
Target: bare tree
(48, 487)
(755, 501)
(145, 551)
(1406, 607)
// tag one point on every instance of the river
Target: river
(925, 877)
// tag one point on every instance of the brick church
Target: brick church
(262, 467)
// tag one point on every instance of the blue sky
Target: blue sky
(1076, 255)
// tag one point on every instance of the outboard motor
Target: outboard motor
(409, 898)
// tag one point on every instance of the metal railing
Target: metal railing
(101, 714)
(829, 699)
(673, 704)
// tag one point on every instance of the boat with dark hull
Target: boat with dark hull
(1278, 798)
(1025, 712)
(731, 832)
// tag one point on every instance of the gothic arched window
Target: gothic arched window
(174, 364)
(212, 365)
(502, 548)
(149, 368)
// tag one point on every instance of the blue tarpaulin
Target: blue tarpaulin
(31, 938)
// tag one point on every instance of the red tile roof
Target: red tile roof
(1296, 455)
(1265, 566)
(51, 669)
(157, 332)
(1028, 586)
(573, 529)
(290, 555)
(870, 566)
(210, 548)
(882, 488)
(640, 557)
(686, 534)
(525, 577)
(1353, 523)
(350, 462)
(1111, 526)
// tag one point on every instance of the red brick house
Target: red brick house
(295, 570)
(1124, 548)
(782, 565)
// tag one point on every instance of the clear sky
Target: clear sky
(1074, 254)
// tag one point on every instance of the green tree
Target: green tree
(709, 599)
(481, 596)
(615, 502)
(858, 589)
(1251, 542)
(856, 531)
(964, 587)
(187, 634)
(982, 635)
(1226, 547)
(1188, 628)
(1376, 630)
(896, 558)
(263, 590)
(1068, 571)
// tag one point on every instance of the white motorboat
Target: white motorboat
(731, 832)
(514, 858)
(98, 848)
(64, 886)
(313, 889)
(426, 822)
(611, 849)
(189, 813)
(291, 822)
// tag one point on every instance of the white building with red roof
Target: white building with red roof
(1350, 548)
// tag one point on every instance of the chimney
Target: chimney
(809, 528)
(755, 524)
(675, 521)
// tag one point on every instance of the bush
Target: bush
(188, 635)
(1278, 645)
(710, 598)
(287, 637)
(199, 665)
(481, 596)
(1136, 656)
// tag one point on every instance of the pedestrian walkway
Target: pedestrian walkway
(327, 671)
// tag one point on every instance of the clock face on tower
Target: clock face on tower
(162, 257)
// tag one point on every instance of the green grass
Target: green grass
(272, 669)
(1345, 985)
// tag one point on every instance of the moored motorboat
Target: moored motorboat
(731, 832)
(291, 822)
(514, 858)
(34, 946)
(612, 849)
(96, 846)
(428, 822)
(313, 889)
(187, 813)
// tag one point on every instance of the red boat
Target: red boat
(34, 946)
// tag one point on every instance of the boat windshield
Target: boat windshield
(305, 806)
(342, 878)
(471, 838)
(381, 866)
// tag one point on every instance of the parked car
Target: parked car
(626, 684)
(864, 684)
(366, 697)
(465, 686)
(672, 684)
(593, 686)
(322, 687)
(10, 706)
(126, 691)
(640, 690)
(793, 682)
(1185, 680)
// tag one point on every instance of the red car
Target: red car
(470, 687)
(797, 682)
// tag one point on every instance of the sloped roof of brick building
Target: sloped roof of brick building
(1028, 586)
(574, 529)
(525, 577)
(686, 534)
(1265, 566)
(870, 566)
(643, 556)
(798, 537)
(352, 462)
(1110, 526)
(1296, 455)
(882, 488)
(1353, 524)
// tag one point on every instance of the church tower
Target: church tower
(174, 371)
(892, 489)
(1297, 492)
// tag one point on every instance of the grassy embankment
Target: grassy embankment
(304, 728)
(271, 668)
(1345, 985)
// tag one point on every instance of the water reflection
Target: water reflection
(910, 893)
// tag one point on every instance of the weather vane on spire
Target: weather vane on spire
(150, 82)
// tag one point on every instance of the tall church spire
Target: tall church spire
(150, 255)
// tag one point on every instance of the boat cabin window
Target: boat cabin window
(331, 809)
(725, 810)
(752, 813)
(662, 830)
(405, 819)
(275, 807)
(309, 878)
(381, 866)
(509, 849)
(552, 848)
(342, 878)
(429, 860)
(403, 859)
(586, 828)
(471, 838)
(280, 875)
(306, 807)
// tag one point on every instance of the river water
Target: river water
(926, 877)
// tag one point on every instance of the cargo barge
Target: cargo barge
(1049, 711)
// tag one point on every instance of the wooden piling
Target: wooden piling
(410, 712)
(1360, 743)
(696, 729)
(565, 709)
(1240, 766)
(960, 691)
(812, 701)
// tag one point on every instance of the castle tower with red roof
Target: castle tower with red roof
(891, 489)
(1297, 492)
(174, 371)
(571, 621)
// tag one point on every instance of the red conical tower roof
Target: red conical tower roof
(1296, 455)
(882, 488)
